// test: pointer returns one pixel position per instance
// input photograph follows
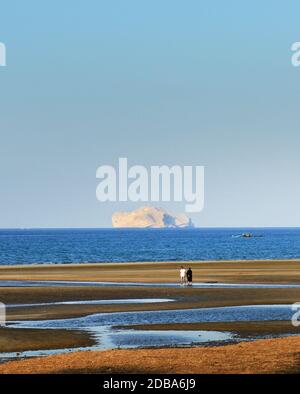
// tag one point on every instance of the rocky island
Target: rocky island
(151, 217)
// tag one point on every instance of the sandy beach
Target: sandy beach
(207, 359)
(263, 356)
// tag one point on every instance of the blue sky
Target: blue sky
(160, 82)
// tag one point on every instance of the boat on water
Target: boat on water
(246, 235)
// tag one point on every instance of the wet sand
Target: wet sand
(184, 298)
(21, 339)
(285, 272)
(262, 356)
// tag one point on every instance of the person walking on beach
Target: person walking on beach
(189, 275)
(182, 274)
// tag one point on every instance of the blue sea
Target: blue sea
(34, 246)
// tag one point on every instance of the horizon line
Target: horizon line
(150, 228)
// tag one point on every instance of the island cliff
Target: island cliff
(150, 217)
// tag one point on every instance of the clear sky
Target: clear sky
(160, 82)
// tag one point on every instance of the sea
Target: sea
(53, 246)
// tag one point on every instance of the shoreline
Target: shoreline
(137, 263)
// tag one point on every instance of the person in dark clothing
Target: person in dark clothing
(189, 275)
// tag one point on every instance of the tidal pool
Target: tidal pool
(101, 327)
(216, 314)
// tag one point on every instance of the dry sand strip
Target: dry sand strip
(283, 271)
(262, 356)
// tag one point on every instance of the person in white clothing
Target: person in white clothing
(182, 274)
